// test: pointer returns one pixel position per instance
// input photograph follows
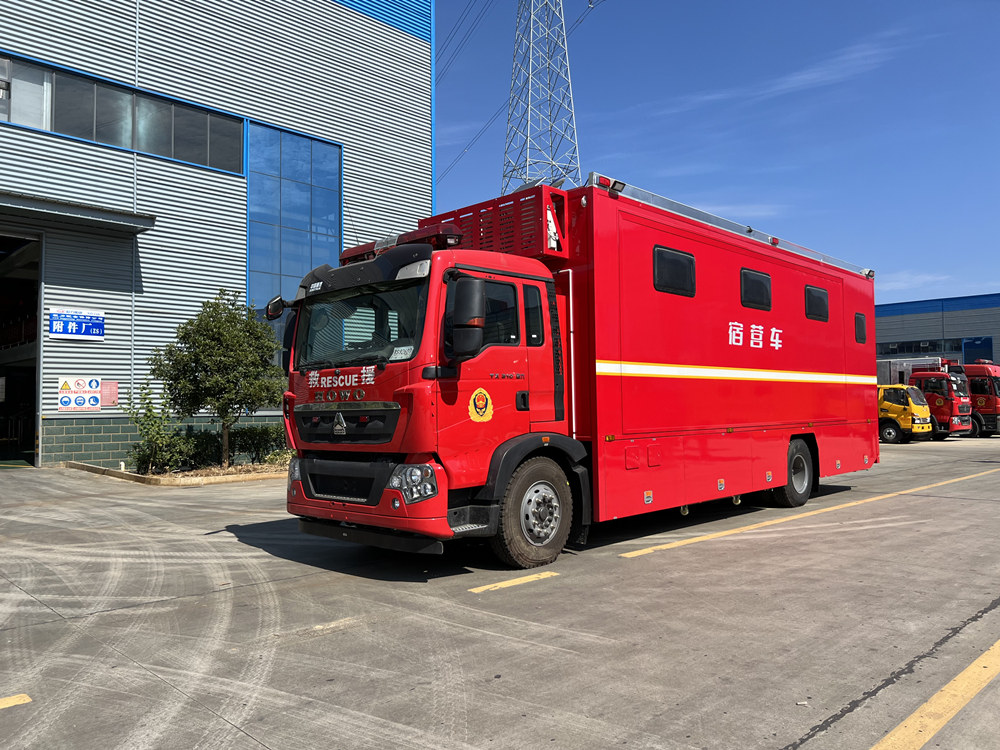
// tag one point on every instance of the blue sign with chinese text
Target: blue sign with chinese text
(82, 325)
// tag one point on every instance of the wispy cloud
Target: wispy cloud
(842, 66)
(899, 281)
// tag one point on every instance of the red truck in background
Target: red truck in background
(984, 391)
(524, 367)
(944, 385)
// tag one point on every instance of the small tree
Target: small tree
(220, 361)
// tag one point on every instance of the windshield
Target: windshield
(374, 324)
(961, 385)
(916, 396)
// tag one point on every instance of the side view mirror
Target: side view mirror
(275, 308)
(469, 317)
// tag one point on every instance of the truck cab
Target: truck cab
(903, 414)
(947, 395)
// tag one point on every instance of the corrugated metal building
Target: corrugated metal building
(962, 328)
(155, 152)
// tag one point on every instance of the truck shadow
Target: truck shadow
(282, 539)
(701, 514)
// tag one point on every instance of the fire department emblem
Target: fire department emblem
(940, 402)
(980, 401)
(480, 406)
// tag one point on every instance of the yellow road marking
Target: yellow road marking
(14, 700)
(773, 522)
(917, 730)
(513, 582)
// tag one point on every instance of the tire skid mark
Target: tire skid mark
(197, 657)
(56, 705)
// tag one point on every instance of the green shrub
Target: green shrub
(280, 458)
(162, 446)
(257, 441)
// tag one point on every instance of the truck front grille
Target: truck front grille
(964, 409)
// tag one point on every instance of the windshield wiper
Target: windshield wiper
(323, 364)
(377, 357)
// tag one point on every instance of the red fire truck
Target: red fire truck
(984, 390)
(525, 367)
(944, 385)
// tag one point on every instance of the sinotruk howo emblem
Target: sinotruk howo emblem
(339, 425)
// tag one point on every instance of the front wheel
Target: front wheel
(889, 432)
(800, 477)
(975, 430)
(535, 515)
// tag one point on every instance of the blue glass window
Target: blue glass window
(294, 204)
(296, 160)
(265, 150)
(265, 248)
(295, 209)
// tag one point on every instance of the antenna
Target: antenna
(541, 126)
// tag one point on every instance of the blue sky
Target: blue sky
(866, 130)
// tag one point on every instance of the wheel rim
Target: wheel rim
(888, 433)
(540, 514)
(800, 474)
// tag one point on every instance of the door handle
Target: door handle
(521, 400)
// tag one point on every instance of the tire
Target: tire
(800, 477)
(535, 515)
(936, 433)
(889, 432)
(975, 430)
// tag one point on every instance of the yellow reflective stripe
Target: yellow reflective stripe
(653, 370)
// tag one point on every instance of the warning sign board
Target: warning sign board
(79, 393)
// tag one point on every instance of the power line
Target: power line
(456, 55)
(489, 123)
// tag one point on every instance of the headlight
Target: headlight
(416, 482)
(295, 470)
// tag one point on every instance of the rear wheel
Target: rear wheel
(889, 432)
(800, 477)
(535, 515)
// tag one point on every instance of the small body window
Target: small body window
(755, 289)
(534, 327)
(860, 328)
(817, 303)
(673, 271)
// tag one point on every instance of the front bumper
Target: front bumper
(375, 505)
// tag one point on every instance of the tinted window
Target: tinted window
(501, 315)
(817, 303)
(755, 289)
(225, 143)
(673, 271)
(860, 331)
(73, 106)
(153, 126)
(190, 134)
(533, 320)
(114, 116)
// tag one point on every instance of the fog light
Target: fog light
(395, 503)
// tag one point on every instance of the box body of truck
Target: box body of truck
(636, 355)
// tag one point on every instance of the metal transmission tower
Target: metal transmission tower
(541, 126)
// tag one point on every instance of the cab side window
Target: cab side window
(501, 315)
(895, 397)
(534, 327)
(979, 386)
